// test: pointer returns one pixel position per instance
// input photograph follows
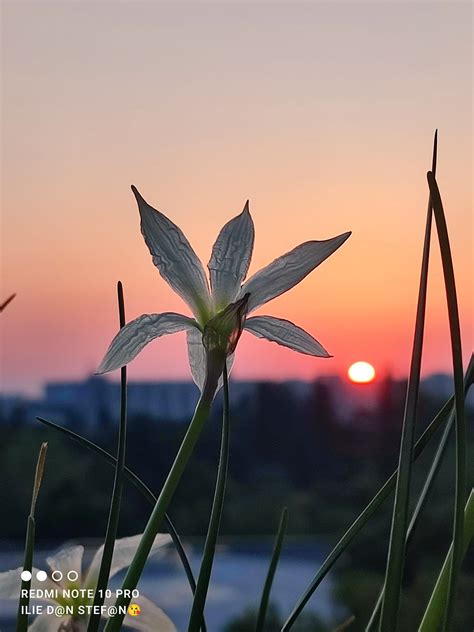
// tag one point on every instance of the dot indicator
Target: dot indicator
(26, 576)
(57, 576)
(73, 576)
(41, 576)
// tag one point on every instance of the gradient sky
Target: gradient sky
(321, 113)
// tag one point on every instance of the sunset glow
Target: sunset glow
(230, 114)
(361, 373)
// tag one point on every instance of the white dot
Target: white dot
(73, 576)
(26, 576)
(57, 576)
(41, 576)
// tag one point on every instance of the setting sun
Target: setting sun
(361, 372)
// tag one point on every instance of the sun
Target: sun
(361, 373)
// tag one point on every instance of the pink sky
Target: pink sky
(322, 114)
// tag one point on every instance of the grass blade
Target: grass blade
(440, 420)
(199, 601)
(138, 483)
(456, 350)
(437, 604)
(114, 512)
(7, 302)
(262, 611)
(22, 617)
(396, 550)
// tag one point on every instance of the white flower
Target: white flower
(150, 618)
(179, 265)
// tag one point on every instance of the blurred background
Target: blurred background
(323, 115)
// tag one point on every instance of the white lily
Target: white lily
(70, 559)
(179, 265)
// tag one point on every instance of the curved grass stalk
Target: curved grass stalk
(398, 533)
(22, 616)
(199, 601)
(265, 599)
(139, 484)
(441, 419)
(114, 512)
(436, 606)
(456, 351)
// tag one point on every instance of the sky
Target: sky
(322, 114)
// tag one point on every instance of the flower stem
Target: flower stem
(112, 524)
(197, 611)
(184, 454)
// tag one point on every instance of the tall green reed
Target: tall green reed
(456, 352)
(114, 511)
(396, 550)
(22, 616)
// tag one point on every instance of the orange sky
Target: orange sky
(321, 113)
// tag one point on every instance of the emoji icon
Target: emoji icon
(134, 610)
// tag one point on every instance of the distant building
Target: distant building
(96, 400)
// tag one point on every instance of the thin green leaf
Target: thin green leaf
(265, 600)
(441, 419)
(456, 350)
(114, 512)
(22, 616)
(138, 483)
(199, 601)
(436, 608)
(396, 550)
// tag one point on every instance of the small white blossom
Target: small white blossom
(70, 559)
(179, 265)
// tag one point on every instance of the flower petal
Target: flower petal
(197, 359)
(150, 618)
(174, 257)
(131, 339)
(66, 560)
(288, 270)
(124, 552)
(10, 583)
(285, 333)
(230, 259)
(49, 623)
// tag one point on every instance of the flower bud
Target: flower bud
(222, 333)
